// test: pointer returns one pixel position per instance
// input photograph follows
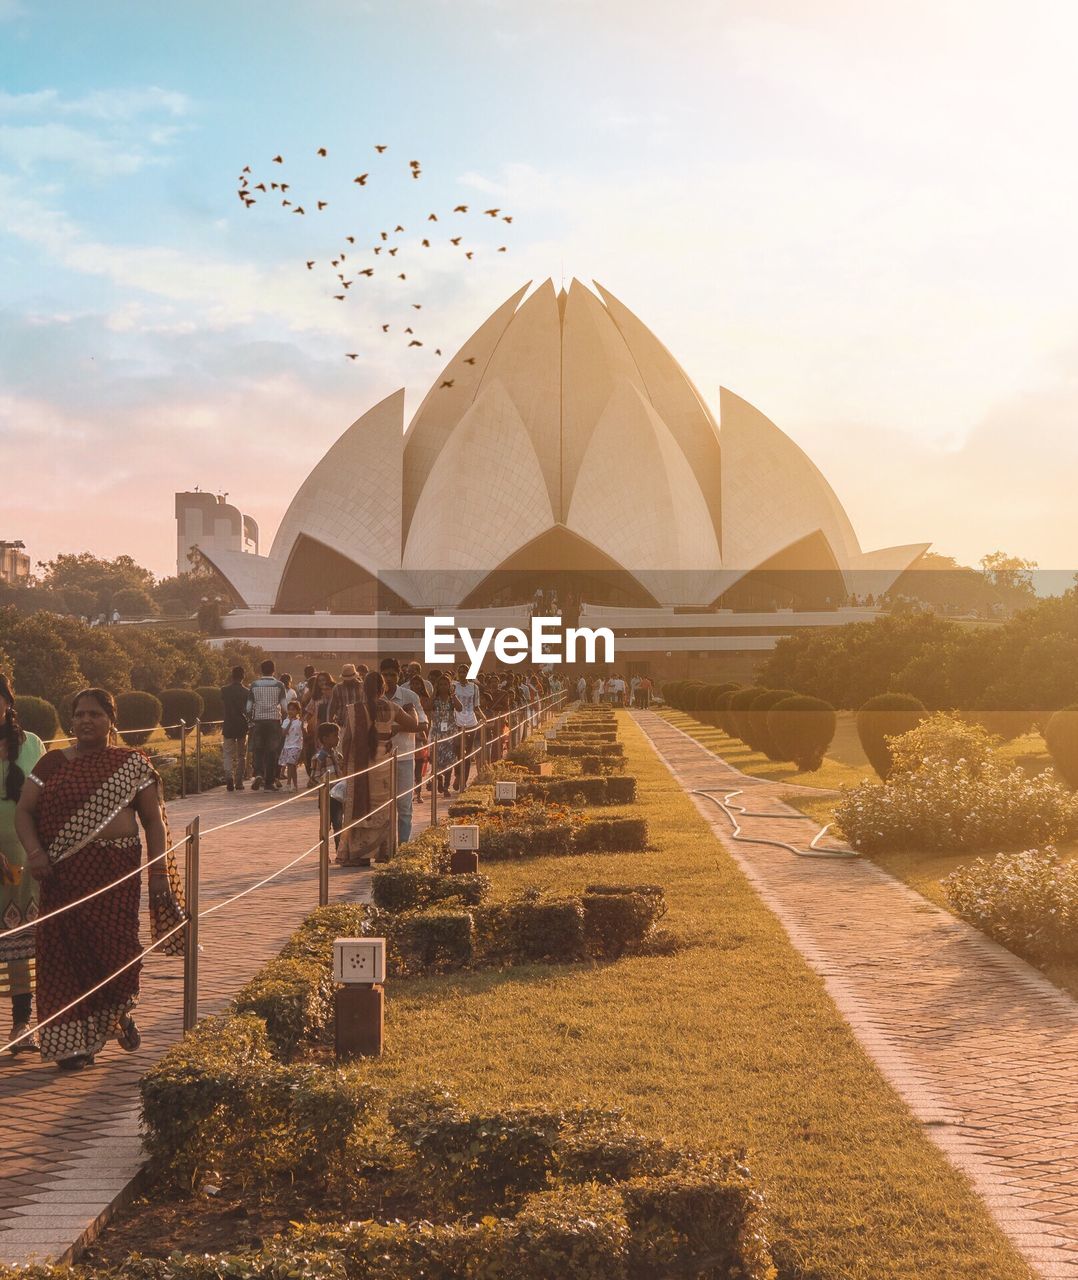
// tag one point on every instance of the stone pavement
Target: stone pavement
(982, 1047)
(70, 1143)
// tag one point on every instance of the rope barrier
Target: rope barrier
(531, 713)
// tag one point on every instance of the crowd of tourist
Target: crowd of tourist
(70, 819)
(615, 691)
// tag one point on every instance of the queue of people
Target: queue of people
(613, 690)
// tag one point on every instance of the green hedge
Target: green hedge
(886, 716)
(611, 835)
(137, 715)
(294, 997)
(614, 789)
(36, 715)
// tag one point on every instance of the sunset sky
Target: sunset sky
(860, 217)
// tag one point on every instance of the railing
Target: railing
(514, 724)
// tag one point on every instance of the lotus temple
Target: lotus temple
(561, 449)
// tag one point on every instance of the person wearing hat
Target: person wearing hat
(347, 691)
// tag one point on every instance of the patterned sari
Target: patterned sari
(369, 839)
(80, 796)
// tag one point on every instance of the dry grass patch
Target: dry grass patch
(733, 1041)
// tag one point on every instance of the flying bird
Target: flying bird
(379, 148)
(377, 248)
(415, 173)
(503, 249)
(393, 253)
(418, 306)
(350, 239)
(402, 276)
(507, 218)
(447, 383)
(425, 244)
(367, 271)
(492, 213)
(321, 151)
(260, 186)
(415, 343)
(437, 351)
(339, 297)
(310, 264)
(413, 164)
(432, 217)
(362, 179)
(346, 284)
(285, 186)
(274, 186)
(470, 254)
(351, 355)
(343, 256)
(456, 239)
(322, 204)
(461, 208)
(398, 228)
(409, 331)
(385, 328)
(336, 262)
(470, 360)
(278, 159)
(246, 168)
(384, 235)
(285, 202)
(299, 209)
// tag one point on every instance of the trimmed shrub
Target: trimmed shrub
(599, 1146)
(38, 716)
(546, 928)
(614, 922)
(407, 886)
(137, 715)
(213, 705)
(1061, 738)
(573, 1233)
(435, 939)
(314, 939)
(703, 1219)
(886, 716)
(611, 835)
(177, 705)
(723, 717)
(801, 729)
(759, 738)
(295, 1000)
(737, 717)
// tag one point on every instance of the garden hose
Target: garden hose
(829, 851)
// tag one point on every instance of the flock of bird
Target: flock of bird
(345, 266)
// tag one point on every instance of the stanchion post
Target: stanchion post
(393, 784)
(484, 762)
(434, 780)
(198, 755)
(190, 948)
(324, 828)
(183, 759)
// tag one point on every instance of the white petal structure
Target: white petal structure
(570, 438)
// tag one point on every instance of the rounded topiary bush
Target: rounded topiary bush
(213, 706)
(177, 705)
(737, 716)
(723, 718)
(1061, 737)
(38, 716)
(672, 692)
(801, 729)
(886, 716)
(756, 716)
(137, 715)
(690, 694)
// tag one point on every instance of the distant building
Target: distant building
(207, 521)
(14, 564)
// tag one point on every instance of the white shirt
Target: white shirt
(468, 697)
(293, 733)
(406, 698)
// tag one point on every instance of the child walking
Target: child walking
(292, 749)
(327, 762)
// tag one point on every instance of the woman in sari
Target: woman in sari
(19, 752)
(370, 723)
(78, 821)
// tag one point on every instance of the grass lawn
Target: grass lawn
(732, 1042)
(921, 871)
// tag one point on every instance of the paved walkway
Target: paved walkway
(981, 1046)
(70, 1144)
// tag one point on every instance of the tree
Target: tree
(1011, 574)
(43, 665)
(133, 602)
(90, 573)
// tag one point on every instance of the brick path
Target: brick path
(70, 1144)
(981, 1046)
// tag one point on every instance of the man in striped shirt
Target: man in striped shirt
(267, 703)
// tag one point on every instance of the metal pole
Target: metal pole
(393, 807)
(434, 780)
(323, 843)
(198, 754)
(183, 759)
(190, 948)
(484, 763)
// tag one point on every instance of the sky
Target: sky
(861, 218)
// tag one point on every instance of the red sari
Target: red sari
(80, 796)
